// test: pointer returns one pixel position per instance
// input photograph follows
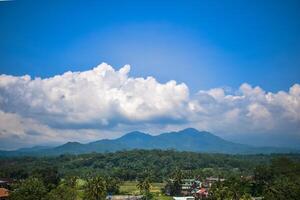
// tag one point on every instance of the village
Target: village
(194, 188)
(264, 182)
(5, 185)
(190, 189)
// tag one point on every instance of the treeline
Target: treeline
(279, 180)
(42, 178)
(158, 165)
(41, 188)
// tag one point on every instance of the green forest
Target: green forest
(95, 175)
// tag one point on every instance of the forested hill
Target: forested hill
(129, 165)
(185, 140)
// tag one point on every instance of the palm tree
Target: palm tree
(29, 189)
(219, 192)
(177, 182)
(71, 181)
(95, 188)
(144, 187)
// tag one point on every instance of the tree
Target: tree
(238, 187)
(112, 185)
(29, 189)
(16, 172)
(218, 192)
(177, 181)
(233, 188)
(71, 181)
(283, 188)
(173, 186)
(263, 175)
(144, 187)
(49, 176)
(62, 192)
(95, 188)
(279, 180)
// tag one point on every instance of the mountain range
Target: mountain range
(188, 139)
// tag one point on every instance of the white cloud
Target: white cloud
(100, 96)
(249, 110)
(18, 131)
(89, 105)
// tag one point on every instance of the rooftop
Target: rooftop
(184, 198)
(3, 192)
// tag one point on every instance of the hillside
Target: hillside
(188, 139)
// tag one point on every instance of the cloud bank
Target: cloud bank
(104, 102)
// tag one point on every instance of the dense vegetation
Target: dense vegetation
(272, 176)
(278, 180)
(130, 165)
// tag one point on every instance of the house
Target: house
(3, 184)
(6, 183)
(189, 186)
(124, 197)
(187, 183)
(202, 193)
(4, 194)
(210, 180)
(184, 198)
(190, 182)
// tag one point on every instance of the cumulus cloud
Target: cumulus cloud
(103, 102)
(100, 96)
(248, 110)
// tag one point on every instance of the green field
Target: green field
(130, 188)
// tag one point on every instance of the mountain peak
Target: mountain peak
(70, 144)
(189, 139)
(34, 148)
(135, 134)
(189, 130)
(195, 132)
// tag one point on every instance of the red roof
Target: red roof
(3, 192)
(202, 191)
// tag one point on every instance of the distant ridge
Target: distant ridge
(189, 139)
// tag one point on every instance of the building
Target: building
(188, 183)
(189, 186)
(4, 193)
(124, 197)
(202, 193)
(6, 183)
(210, 180)
(184, 198)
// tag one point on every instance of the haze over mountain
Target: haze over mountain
(188, 139)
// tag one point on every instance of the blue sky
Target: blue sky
(236, 65)
(202, 43)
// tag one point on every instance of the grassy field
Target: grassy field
(129, 187)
